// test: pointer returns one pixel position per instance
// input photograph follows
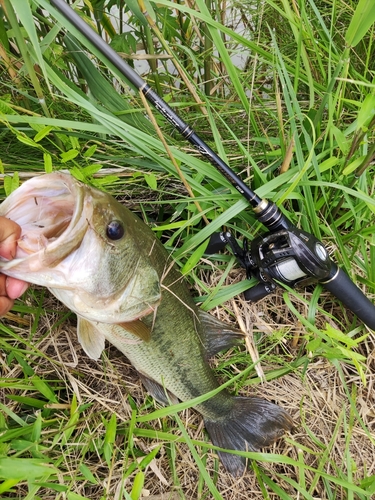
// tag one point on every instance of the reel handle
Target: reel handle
(259, 291)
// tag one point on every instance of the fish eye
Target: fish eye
(115, 230)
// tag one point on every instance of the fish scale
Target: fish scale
(169, 355)
(124, 289)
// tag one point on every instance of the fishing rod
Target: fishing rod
(284, 254)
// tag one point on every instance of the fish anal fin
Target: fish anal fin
(252, 424)
(90, 337)
(137, 328)
(216, 335)
(157, 391)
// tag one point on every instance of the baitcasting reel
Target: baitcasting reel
(288, 255)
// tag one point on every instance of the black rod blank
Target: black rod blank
(176, 121)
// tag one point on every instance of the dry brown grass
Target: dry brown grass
(326, 432)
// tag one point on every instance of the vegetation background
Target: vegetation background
(284, 90)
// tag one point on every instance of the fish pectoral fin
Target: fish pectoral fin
(137, 328)
(157, 391)
(91, 338)
(216, 335)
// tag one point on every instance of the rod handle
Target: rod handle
(342, 287)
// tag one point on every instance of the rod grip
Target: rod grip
(342, 287)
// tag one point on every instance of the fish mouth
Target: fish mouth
(58, 249)
(49, 210)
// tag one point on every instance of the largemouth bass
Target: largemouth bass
(108, 267)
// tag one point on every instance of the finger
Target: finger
(15, 288)
(5, 302)
(10, 232)
(3, 288)
(6, 305)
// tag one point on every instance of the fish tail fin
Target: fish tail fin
(252, 424)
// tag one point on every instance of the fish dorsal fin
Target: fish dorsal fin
(157, 391)
(137, 328)
(216, 335)
(90, 337)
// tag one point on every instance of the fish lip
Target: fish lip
(48, 252)
(52, 254)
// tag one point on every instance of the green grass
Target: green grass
(296, 121)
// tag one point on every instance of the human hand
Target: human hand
(10, 288)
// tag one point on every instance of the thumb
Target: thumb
(10, 232)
